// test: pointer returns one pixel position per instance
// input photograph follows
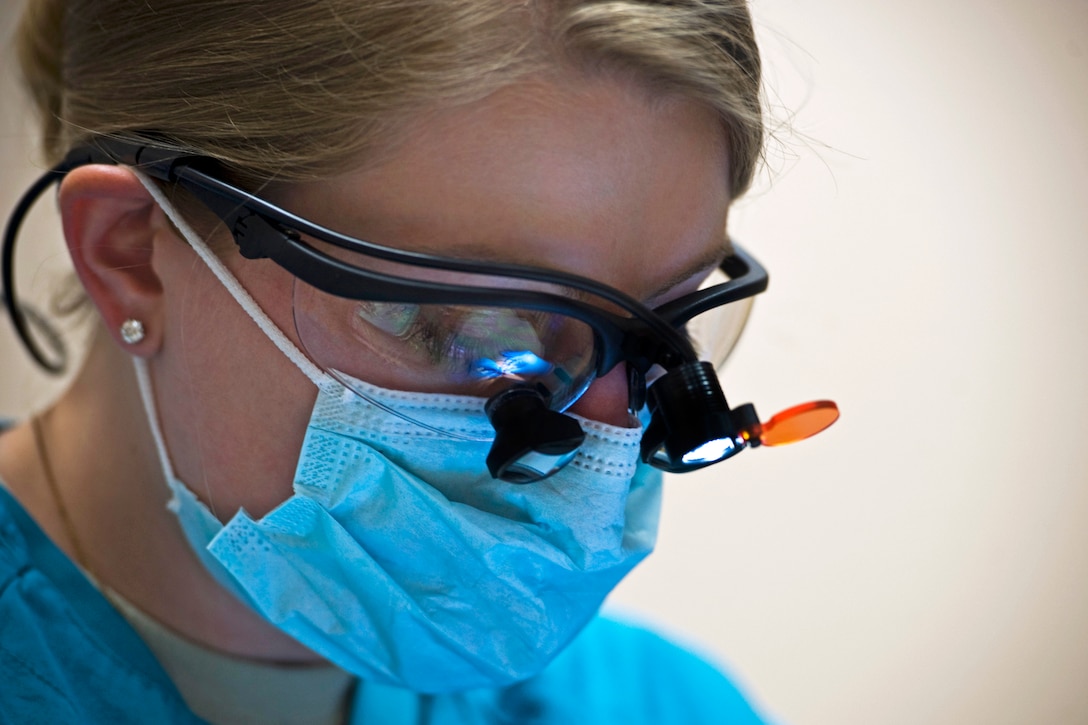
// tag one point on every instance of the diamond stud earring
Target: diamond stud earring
(132, 331)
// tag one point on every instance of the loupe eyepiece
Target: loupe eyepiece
(531, 441)
(691, 425)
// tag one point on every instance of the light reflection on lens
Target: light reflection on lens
(513, 365)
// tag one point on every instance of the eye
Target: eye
(391, 317)
(459, 339)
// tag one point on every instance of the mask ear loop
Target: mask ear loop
(235, 289)
(147, 395)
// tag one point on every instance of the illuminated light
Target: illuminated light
(799, 422)
(710, 451)
(513, 364)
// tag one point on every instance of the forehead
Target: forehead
(589, 175)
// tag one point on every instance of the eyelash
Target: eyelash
(438, 343)
(425, 335)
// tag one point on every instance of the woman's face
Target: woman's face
(591, 176)
(590, 179)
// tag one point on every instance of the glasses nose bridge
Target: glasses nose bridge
(607, 400)
(632, 346)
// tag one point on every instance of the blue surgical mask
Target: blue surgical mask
(399, 558)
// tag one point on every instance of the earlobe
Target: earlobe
(110, 225)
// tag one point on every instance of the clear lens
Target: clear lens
(460, 350)
(467, 350)
(715, 332)
(454, 349)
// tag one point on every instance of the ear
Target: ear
(110, 224)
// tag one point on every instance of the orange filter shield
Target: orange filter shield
(799, 422)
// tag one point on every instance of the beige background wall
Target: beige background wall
(926, 561)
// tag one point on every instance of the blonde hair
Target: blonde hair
(293, 89)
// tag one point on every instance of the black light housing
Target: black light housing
(691, 425)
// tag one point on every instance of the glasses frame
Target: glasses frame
(261, 229)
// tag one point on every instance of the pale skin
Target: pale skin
(592, 176)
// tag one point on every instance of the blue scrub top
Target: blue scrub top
(67, 656)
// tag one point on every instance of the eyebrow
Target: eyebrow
(703, 264)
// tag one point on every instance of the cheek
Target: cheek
(238, 406)
(270, 286)
(217, 337)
